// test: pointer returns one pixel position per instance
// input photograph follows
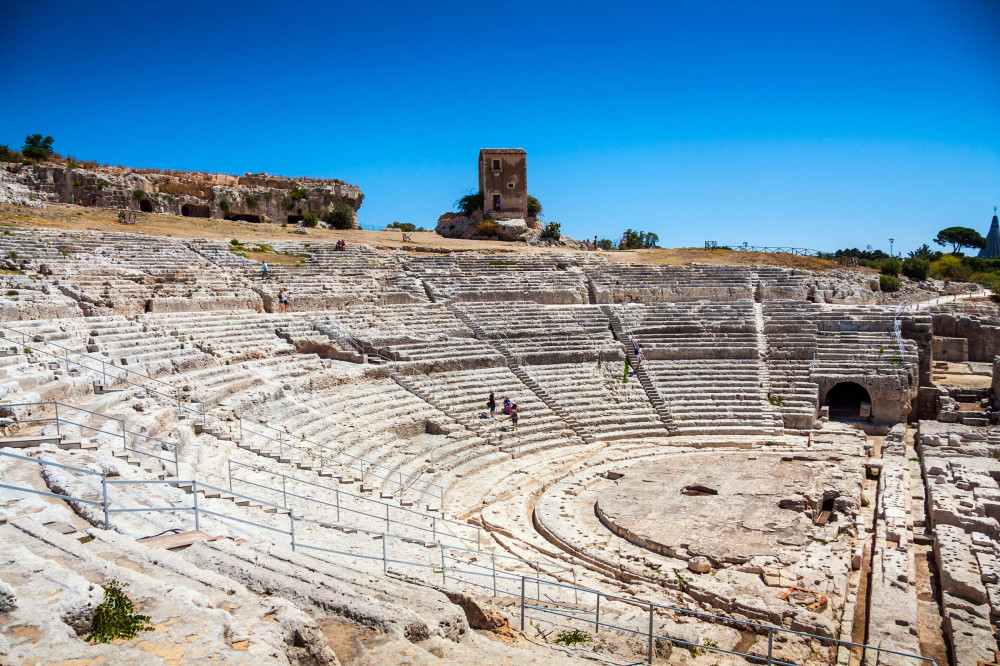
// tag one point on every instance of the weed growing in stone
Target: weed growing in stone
(116, 616)
(574, 637)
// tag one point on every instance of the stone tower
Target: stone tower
(992, 249)
(503, 181)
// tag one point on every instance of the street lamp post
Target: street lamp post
(891, 241)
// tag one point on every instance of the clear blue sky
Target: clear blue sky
(803, 123)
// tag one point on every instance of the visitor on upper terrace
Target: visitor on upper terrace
(492, 404)
(263, 271)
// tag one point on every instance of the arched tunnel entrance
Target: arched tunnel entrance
(146, 206)
(845, 400)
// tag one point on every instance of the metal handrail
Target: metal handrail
(361, 462)
(104, 369)
(338, 492)
(124, 431)
(560, 610)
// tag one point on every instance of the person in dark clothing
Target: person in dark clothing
(514, 414)
(492, 404)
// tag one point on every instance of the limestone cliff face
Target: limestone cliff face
(251, 197)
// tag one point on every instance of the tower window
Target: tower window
(496, 165)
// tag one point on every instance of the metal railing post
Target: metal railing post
(104, 493)
(522, 603)
(385, 559)
(538, 582)
(479, 534)
(194, 491)
(597, 615)
(649, 656)
(444, 574)
(177, 462)
(493, 557)
(770, 644)
(434, 532)
(230, 462)
(387, 517)
(284, 493)
(337, 495)
(291, 520)
(58, 432)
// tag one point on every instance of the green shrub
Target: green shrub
(469, 204)
(251, 201)
(534, 206)
(310, 219)
(487, 227)
(341, 216)
(294, 195)
(234, 242)
(574, 637)
(225, 206)
(891, 266)
(78, 182)
(950, 267)
(138, 195)
(8, 155)
(916, 268)
(889, 283)
(552, 230)
(116, 617)
(12, 292)
(403, 226)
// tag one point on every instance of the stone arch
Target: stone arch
(196, 210)
(146, 206)
(844, 400)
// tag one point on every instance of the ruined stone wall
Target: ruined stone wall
(983, 335)
(252, 197)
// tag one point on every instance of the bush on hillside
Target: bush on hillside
(8, 155)
(225, 206)
(916, 268)
(890, 266)
(950, 267)
(552, 230)
(341, 216)
(889, 283)
(310, 218)
(487, 227)
(251, 201)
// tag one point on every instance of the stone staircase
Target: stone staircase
(644, 379)
(519, 372)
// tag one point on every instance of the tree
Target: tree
(469, 203)
(310, 218)
(534, 206)
(923, 252)
(960, 237)
(36, 147)
(341, 216)
(639, 240)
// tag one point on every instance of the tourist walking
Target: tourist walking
(283, 301)
(638, 356)
(514, 414)
(263, 271)
(492, 404)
